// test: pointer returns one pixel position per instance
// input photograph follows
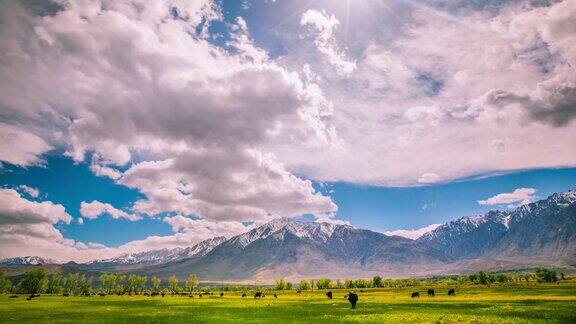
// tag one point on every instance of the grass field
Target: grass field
(554, 303)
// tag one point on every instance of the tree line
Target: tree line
(38, 280)
(541, 275)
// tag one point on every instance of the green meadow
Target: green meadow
(535, 303)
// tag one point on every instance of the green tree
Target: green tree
(483, 278)
(280, 284)
(304, 284)
(289, 285)
(501, 278)
(54, 284)
(85, 285)
(156, 282)
(362, 283)
(173, 284)
(108, 282)
(34, 281)
(132, 283)
(142, 283)
(5, 283)
(377, 282)
(349, 284)
(120, 283)
(323, 283)
(191, 282)
(546, 275)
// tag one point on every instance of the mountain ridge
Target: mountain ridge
(534, 234)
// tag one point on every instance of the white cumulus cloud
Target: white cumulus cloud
(520, 195)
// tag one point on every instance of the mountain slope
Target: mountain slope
(295, 249)
(160, 256)
(544, 229)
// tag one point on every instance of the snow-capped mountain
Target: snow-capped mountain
(296, 249)
(164, 255)
(544, 231)
(27, 260)
(313, 231)
(546, 227)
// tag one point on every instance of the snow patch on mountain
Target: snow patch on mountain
(309, 230)
(27, 260)
(166, 255)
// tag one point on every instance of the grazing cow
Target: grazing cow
(211, 294)
(257, 294)
(190, 296)
(199, 295)
(275, 296)
(102, 294)
(329, 294)
(298, 291)
(154, 294)
(263, 295)
(65, 294)
(221, 294)
(415, 294)
(32, 296)
(353, 299)
(451, 292)
(146, 294)
(244, 295)
(430, 292)
(163, 294)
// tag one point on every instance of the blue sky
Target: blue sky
(147, 125)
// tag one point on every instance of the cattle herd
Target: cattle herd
(431, 293)
(351, 296)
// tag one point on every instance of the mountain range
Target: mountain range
(535, 234)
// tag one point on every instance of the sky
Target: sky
(132, 125)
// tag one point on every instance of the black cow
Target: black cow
(243, 295)
(154, 294)
(451, 292)
(353, 299)
(298, 291)
(32, 297)
(329, 294)
(102, 294)
(163, 294)
(275, 296)
(221, 294)
(65, 294)
(430, 292)
(415, 294)
(258, 294)
(199, 295)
